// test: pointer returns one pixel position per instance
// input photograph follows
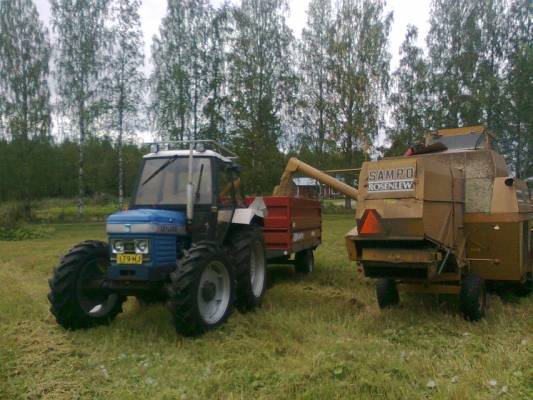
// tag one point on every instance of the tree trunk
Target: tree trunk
(349, 145)
(120, 158)
(81, 189)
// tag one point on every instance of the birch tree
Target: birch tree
(126, 79)
(24, 96)
(262, 84)
(81, 60)
(314, 90)
(409, 99)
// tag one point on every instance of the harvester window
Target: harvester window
(471, 141)
(169, 185)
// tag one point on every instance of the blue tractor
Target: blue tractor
(188, 238)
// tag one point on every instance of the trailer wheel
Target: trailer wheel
(387, 293)
(473, 298)
(76, 302)
(202, 289)
(305, 262)
(248, 250)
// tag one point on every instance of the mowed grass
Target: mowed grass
(316, 337)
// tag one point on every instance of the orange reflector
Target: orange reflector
(370, 223)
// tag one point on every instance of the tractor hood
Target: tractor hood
(147, 221)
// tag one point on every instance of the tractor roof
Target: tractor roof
(185, 153)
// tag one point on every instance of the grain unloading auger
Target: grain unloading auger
(447, 219)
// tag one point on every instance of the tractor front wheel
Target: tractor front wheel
(473, 297)
(387, 293)
(76, 299)
(201, 292)
(248, 250)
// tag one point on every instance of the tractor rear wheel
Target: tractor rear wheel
(201, 292)
(248, 250)
(387, 293)
(305, 262)
(75, 298)
(473, 297)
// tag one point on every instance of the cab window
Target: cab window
(226, 192)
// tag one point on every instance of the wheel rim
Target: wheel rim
(94, 303)
(257, 269)
(214, 292)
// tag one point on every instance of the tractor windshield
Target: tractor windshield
(165, 183)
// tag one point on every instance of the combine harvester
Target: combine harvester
(446, 218)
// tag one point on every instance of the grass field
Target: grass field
(317, 337)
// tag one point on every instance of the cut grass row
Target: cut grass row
(317, 337)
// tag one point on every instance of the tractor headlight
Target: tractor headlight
(141, 246)
(117, 246)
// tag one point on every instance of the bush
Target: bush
(13, 213)
(16, 233)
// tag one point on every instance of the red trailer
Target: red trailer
(293, 226)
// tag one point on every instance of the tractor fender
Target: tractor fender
(256, 210)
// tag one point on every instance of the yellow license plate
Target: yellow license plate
(129, 259)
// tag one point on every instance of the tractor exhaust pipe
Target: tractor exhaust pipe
(190, 189)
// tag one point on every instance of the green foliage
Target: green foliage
(125, 85)
(18, 233)
(12, 213)
(24, 56)
(261, 84)
(345, 78)
(478, 70)
(314, 70)
(410, 96)
(82, 38)
(53, 168)
(187, 69)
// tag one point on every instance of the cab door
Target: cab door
(225, 198)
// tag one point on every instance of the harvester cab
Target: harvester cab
(188, 238)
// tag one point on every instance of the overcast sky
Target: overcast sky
(406, 12)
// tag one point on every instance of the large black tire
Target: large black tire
(71, 304)
(473, 298)
(248, 250)
(387, 293)
(203, 272)
(304, 262)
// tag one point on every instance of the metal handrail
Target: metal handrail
(218, 147)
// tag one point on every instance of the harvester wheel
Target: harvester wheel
(201, 291)
(387, 293)
(248, 250)
(473, 298)
(76, 301)
(305, 262)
